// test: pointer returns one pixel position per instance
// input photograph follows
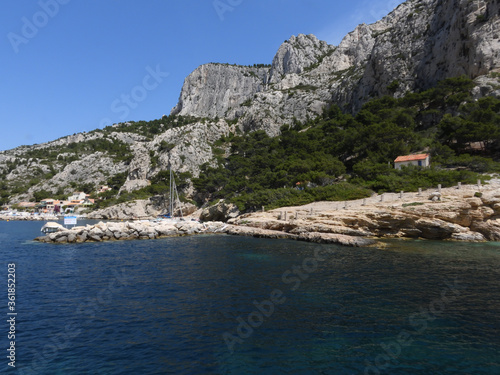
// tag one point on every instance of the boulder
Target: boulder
(166, 230)
(468, 236)
(94, 237)
(62, 239)
(435, 229)
(341, 239)
(82, 237)
(475, 203)
(96, 231)
(221, 211)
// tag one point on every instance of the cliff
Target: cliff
(412, 48)
(418, 44)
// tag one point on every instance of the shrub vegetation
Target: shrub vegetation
(461, 134)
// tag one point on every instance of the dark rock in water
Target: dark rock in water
(43, 239)
(340, 239)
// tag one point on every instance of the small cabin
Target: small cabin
(420, 160)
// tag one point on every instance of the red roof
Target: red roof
(411, 157)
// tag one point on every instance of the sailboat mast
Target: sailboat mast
(178, 201)
(171, 194)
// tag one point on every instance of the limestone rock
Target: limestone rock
(138, 169)
(297, 54)
(139, 209)
(414, 47)
(221, 211)
(212, 89)
(418, 44)
(468, 236)
(458, 217)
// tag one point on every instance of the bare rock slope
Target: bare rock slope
(418, 44)
(412, 48)
(459, 215)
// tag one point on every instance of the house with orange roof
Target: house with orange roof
(77, 196)
(420, 160)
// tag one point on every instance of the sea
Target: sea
(217, 304)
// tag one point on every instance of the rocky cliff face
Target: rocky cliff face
(212, 89)
(412, 48)
(296, 55)
(423, 42)
(61, 166)
(415, 46)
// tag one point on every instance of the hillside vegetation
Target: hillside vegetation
(335, 156)
(461, 134)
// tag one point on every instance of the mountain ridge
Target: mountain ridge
(418, 44)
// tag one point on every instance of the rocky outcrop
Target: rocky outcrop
(141, 209)
(317, 237)
(138, 169)
(191, 146)
(221, 211)
(145, 230)
(183, 148)
(412, 48)
(296, 55)
(457, 216)
(212, 89)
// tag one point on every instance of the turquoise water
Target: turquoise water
(234, 305)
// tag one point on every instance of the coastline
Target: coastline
(150, 230)
(469, 213)
(5, 217)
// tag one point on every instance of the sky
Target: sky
(69, 66)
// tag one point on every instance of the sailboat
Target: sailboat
(173, 201)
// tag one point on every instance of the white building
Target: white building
(420, 160)
(79, 196)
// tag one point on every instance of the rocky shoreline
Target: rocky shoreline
(27, 218)
(149, 230)
(464, 213)
(131, 230)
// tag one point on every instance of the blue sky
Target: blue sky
(71, 65)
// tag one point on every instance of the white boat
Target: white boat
(51, 227)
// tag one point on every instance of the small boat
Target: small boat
(51, 227)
